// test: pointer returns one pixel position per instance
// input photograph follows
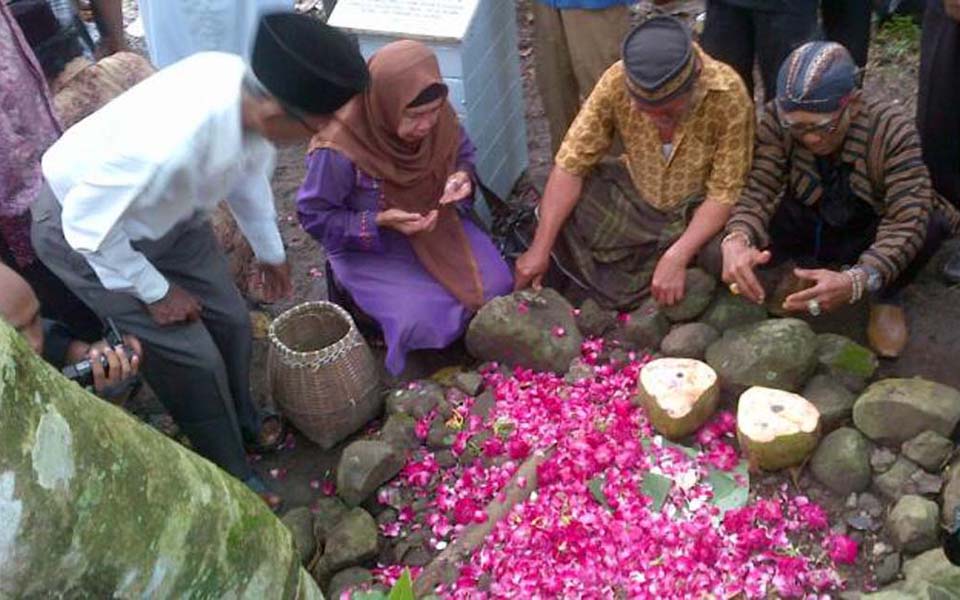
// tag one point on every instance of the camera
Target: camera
(82, 372)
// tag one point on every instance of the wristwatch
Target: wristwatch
(874, 280)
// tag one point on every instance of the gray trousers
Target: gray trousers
(201, 370)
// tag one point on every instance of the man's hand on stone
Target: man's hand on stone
(830, 290)
(176, 307)
(739, 261)
(530, 269)
(274, 281)
(668, 279)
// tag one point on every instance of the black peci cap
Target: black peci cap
(659, 60)
(307, 64)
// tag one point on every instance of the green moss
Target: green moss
(139, 515)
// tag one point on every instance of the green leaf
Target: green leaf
(727, 492)
(403, 588)
(595, 486)
(657, 487)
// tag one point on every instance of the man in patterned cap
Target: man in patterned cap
(630, 227)
(838, 186)
(123, 216)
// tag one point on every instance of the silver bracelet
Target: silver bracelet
(737, 234)
(857, 281)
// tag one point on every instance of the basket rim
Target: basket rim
(306, 307)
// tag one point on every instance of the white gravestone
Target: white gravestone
(476, 44)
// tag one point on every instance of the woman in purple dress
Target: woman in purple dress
(387, 193)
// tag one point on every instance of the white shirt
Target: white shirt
(170, 146)
(175, 29)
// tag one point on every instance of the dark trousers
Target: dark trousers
(57, 303)
(798, 234)
(200, 370)
(736, 35)
(847, 22)
(938, 105)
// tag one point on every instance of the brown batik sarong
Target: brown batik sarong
(613, 239)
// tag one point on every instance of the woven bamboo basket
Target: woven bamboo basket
(322, 374)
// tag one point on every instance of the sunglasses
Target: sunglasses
(827, 127)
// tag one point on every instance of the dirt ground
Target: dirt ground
(933, 309)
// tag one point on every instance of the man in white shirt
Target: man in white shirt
(123, 220)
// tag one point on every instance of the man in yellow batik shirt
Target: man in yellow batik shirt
(629, 228)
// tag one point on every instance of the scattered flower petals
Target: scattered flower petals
(842, 550)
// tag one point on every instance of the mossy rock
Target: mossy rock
(697, 295)
(642, 329)
(776, 353)
(892, 411)
(728, 311)
(534, 330)
(840, 356)
(94, 503)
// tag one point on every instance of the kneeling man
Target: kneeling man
(631, 227)
(838, 186)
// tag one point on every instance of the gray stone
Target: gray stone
(862, 522)
(327, 512)
(579, 371)
(468, 382)
(642, 329)
(446, 459)
(842, 461)
(926, 484)
(483, 404)
(832, 399)
(777, 353)
(881, 459)
(928, 449)
(387, 516)
(698, 291)
(728, 311)
(888, 569)
(951, 494)
(400, 431)
(348, 579)
(689, 340)
(840, 356)
(440, 436)
(418, 556)
(870, 505)
(364, 466)
(914, 524)
(896, 481)
(595, 321)
(893, 411)
(353, 541)
(416, 400)
(300, 523)
(541, 335)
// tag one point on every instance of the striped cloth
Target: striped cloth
(888, 173)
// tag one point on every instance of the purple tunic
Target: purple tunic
(338, 204)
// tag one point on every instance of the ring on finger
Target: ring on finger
(735, 289)
(814, 308)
